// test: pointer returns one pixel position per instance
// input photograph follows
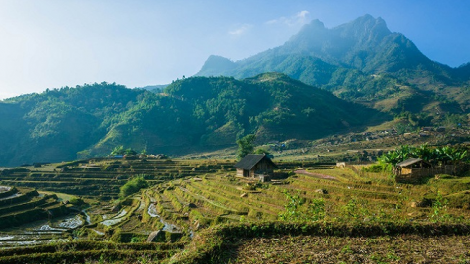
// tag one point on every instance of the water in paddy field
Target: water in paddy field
(116, 219)
(4, 188)
(87, 217)
(11, 196)
(168, 227)
(41, 232)
(152, 211)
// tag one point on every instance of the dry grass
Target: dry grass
(316, 249)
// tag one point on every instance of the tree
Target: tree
(261, 151)
(245, 145)
(118, 150)
(130, 151)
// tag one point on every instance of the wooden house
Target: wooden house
(414, 169)
(255, 166)
(407, 166)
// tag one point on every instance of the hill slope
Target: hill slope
(192, 114)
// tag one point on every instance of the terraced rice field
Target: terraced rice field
(215, 198)
(187, 197)
(91, 252)
(102, 178)
(21, 206)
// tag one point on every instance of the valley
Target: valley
(342, 145)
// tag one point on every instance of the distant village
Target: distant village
(367, 146)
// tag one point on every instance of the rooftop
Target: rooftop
(249, 161)
(408, 162)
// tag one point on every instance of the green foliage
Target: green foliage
(453, 120)
(132, 186)
(77, 201)
(99, 119)
(436, 155)
(59, 123)
(119, 150)
(439, 209)
(245, 145)
(374, 168)
(261, 151)
(295, 211)
(354, 209)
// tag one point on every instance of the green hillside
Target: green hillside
(193, 114)
(55, 125)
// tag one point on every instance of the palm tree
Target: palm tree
(118, 150)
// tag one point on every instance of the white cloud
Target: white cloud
(298, 19)
(240, 30)
(302, 16)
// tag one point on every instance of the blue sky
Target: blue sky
(54, 43)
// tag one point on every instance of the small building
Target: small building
(412, 169)
(255, 166)
(407, 166)
(423, 134)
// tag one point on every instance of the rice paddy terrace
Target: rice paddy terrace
(19, 205)
(197, 211)
(102, 178)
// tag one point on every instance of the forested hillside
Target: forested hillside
(55, 125)
(192, 114)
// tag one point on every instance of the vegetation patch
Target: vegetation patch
(327, 241)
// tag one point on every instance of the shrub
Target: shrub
(295, 210)
(132, 186)
(77, 201)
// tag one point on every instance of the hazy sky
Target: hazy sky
(54, 43)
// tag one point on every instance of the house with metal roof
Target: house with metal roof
(412, 169)
(254, 166)
(413, 162)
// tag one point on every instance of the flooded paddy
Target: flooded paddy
(41, 232)
(4, 189)
(116, 219)
(168, 227)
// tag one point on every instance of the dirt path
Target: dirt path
(317, 175)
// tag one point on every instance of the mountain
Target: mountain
(361, 61)
(192, 114)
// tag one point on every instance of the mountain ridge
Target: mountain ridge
(347, 60)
